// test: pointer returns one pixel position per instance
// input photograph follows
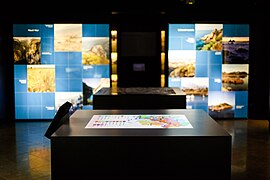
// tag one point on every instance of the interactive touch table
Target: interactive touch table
(132, 144)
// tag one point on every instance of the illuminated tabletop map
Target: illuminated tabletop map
(139, 121)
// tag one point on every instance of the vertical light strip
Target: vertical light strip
(162, 59)
(163, 41)
(114, 40)
(114, 56)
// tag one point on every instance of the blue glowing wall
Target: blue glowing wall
(210, 63)
(54, 63)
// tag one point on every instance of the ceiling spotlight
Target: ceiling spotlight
(190, 2)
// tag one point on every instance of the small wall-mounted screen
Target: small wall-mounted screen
(139, 67)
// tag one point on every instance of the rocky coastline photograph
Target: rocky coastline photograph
(235, 50)
(209, 37)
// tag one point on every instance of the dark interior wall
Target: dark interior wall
(259, 60)
(6, 72)
(138, 63)
(268, 39)
(1, 75)
(125, 13)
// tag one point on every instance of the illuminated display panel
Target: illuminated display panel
(210, 63)
(54, 63)
(139, 121)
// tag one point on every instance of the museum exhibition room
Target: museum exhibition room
(135, 89)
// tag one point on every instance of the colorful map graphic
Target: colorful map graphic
(139, 121)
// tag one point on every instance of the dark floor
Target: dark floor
(25, 152)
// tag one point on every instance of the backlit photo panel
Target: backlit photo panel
(236, 50)
(94, 78)
(40, 78)
(235, 77)
(26, 50)
(68, 71)
(182, 37)
(95, 51)
(241, 104)
(221, 104)
(47, 53)
(182, 63)
(196, 90)
(48, 68)
(208, 37)
(202, 63)
(32, 79)
(235, 65)
(47, 44)
(75, 98)
(27, 30)
(95, 60)
(221, 57)
(68, 37)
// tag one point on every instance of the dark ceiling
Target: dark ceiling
(82, 9)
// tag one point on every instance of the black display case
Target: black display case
(139, 98)
(200, 152)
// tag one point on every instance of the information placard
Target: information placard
(139, 121)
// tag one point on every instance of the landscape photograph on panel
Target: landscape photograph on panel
(235, 50)
(95, 51)
(68, 37)
(182, 63)
(221, 104)
(234, 77)
(196, 90)
(26, 50)
(41, 78)
(209, 37)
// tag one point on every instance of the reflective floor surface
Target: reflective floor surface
(25, 152)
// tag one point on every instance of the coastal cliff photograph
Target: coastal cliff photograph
(209, 37)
